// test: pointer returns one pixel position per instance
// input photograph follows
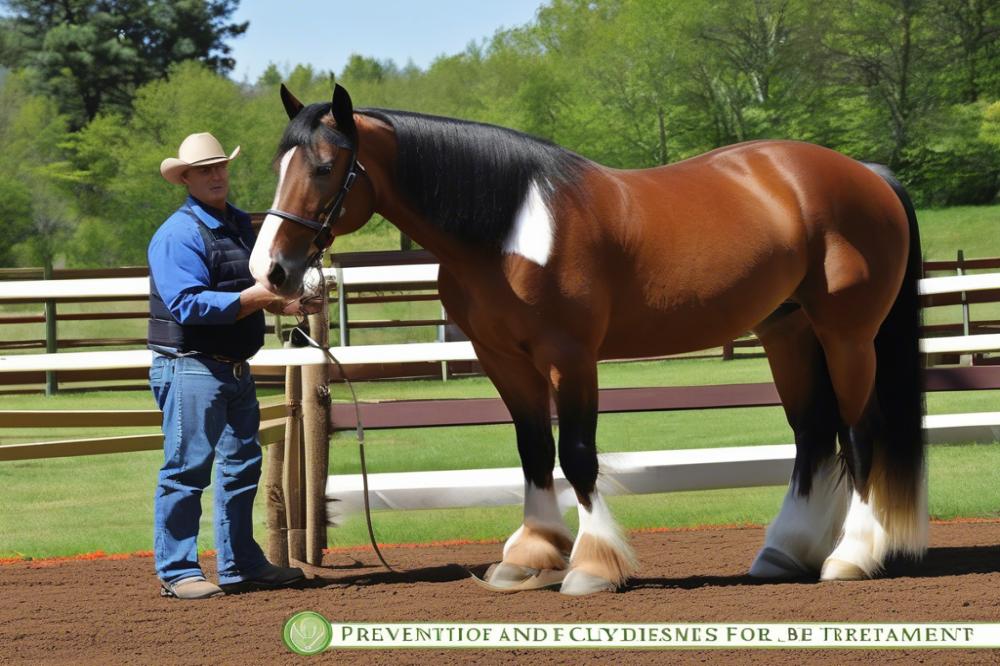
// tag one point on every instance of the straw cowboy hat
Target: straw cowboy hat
(197, 150)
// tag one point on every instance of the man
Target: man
(206, 320)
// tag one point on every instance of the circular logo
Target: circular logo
(307, 633)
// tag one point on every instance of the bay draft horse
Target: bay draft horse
(550, 263)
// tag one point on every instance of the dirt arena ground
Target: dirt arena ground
(107, 611)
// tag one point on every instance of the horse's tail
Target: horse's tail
(898, 482)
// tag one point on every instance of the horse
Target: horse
(550, 263)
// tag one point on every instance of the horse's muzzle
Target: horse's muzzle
(285, 279)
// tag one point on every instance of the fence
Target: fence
(967, 326)
(352, 273)
(361, 279)
(649, 472)
(358, 277)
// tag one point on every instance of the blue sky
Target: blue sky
(325, 33)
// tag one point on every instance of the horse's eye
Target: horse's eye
(324, 170)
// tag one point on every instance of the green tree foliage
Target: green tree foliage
(36, 183)
(989, 130)
(92, 55)
(121, 156)
(627, 83)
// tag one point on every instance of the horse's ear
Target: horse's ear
(292, 105)
(343, 110)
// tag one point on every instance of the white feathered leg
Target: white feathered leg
(542, 542)
(807, 528)
(602, 559)
(863, 548)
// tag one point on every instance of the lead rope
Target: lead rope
(299, 330)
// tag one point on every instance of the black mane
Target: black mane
(469, 178)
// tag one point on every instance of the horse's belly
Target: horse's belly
(685, 318)
(678, 332)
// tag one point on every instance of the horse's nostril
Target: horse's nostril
(277, 274)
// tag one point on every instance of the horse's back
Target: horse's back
(719, 240)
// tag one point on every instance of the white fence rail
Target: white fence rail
(13, 291)
(363, 276)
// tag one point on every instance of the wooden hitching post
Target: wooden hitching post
(316, 427)
(277, 523)
(294, 476)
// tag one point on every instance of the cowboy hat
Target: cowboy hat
(196, 150)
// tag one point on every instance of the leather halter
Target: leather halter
(331, 211)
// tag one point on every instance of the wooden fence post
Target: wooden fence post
(342, 324)
(316, 428)
(293, 473)
(51, 336)
(964, 359)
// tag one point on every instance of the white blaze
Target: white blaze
(260, 258)
(533, 229)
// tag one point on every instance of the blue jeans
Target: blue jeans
(208, 414)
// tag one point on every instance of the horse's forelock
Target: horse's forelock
(301, 129)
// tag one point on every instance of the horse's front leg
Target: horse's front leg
(543, 541)
(602, 559)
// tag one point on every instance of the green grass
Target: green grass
(974, 229)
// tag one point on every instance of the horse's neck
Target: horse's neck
(390, 206)
(378, 157)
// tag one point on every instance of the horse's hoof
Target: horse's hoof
(834, 569)
(513, 578)
(772, 563)
(505, 575)
(579, 583)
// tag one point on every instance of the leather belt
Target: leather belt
(225, 359)
(240, 365)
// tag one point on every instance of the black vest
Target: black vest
(229, 270)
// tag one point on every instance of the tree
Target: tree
(15, 211)
(121, 156)
(953, 162)
(970, 30)
(882, 47)
(989, 130)
(37, 196)
(359, 68)
(92, 55)
(757, 69)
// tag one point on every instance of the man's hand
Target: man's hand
(278, 307)
(256, 298)
(311, 299)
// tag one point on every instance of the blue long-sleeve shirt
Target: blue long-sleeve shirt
(179, 264)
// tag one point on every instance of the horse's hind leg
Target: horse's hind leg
(602, 558)
(852, 368)
(887, 513)
(809, 523)
(822, 525)
(542, 541)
